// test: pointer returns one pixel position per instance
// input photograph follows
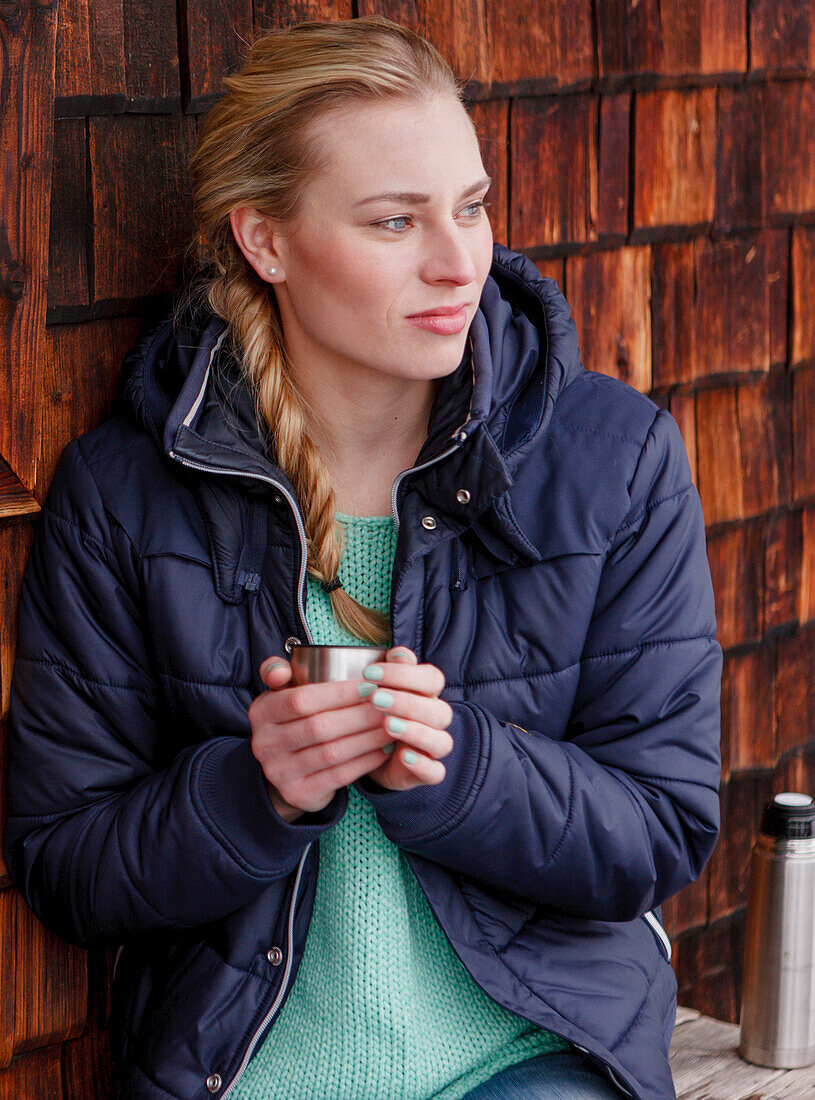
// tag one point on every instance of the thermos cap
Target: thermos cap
(789, 816)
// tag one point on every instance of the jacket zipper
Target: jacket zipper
(267, 1019)
(460, 436)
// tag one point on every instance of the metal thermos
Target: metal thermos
(778, 993)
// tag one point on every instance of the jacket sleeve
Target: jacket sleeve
(107, 834)
(624, 811)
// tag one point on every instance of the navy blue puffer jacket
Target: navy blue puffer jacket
(568, 603)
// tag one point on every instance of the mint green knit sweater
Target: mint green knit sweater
(381, 1008)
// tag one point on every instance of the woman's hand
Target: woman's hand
(312, 739)
(416, 716)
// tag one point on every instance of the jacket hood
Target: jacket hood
(184, 387)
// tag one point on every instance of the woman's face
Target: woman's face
(355, 267)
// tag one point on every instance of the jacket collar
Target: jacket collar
(522, 351)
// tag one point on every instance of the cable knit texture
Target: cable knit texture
(381, 1007)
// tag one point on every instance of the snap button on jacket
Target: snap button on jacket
(564, 593)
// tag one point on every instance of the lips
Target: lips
(448, 322)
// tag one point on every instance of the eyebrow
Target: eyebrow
(417, 196)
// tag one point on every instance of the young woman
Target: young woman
(368, 425)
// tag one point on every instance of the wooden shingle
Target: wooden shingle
(736, 569)
(609, 293)
(68, 244)
(803, 427)
(802, 334)
(141, 206)
(674, 158)
(540, 40)
(748, 711)
(491, 120)
(795, 699)
(783, 552)
(782, 36)
(35, 1075)
(740, 184)
(790, 157)
(806, 592)
(217, 38)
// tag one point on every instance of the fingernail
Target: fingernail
(269, 665)
(373, 672)
(388, 749)
(382, 699)
(399, 657)
(410, 757)
(396, 725)
(366, 689)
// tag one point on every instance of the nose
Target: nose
(450, 255)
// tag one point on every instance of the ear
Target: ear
(254, 236)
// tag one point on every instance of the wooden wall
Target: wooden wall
(656, 157)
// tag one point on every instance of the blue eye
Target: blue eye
(474, 206)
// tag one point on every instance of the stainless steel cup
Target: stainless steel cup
(778, 993)
(314, 664)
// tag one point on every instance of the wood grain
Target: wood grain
(91, 48)
(609, 293)
(86, 1066)
(709, 964)
(740, 172)
(721, 482)
(7, 944)
(15, 499)
(15, 544)
(36, 1076)
(742, 801)
(682, 407)
(783, 554)
(536, 40)
(795, 698)
(803, 429)
(50, 984)
(27, 42)
(491, 120)
(142, 215)
(806, 594)
(790, 156)
(736, 569)
(674, 178)
(748, 716)
(69, 229)
(673, 307)
(554, 171)
(613, 166)
(217, 34)
(782, 36)
(671, 37)
(687, 909)
(765, 443)
(802, 334)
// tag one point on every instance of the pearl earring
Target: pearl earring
(271, 270)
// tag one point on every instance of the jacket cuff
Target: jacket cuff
(229, 791)
(426, 812)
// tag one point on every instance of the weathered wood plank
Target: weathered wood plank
(613, 166)
(491, 120)
(782, 36)
(51, 984)
(743, 799)
(682, 407)
(86, 1066)
(803, 428)
(806, 595)
(708, 964)
(15, 499)
(609, 293)
(90, 53)
(68, 243)
(673, 306)
(802, 334)
(35, 1075)
(740, 185)
(142, 215)
(764, 414)
(7, 915)
(217, 34)
(790, 156)
(795, 697)
(671, 37)
(80, 382)
(554, 171)
(27, 41)
(721, 482)
(150, 45)
(783, 552)
(674, 177)
(540, 39)
(735, 558)
(273, 14)
(15, 543)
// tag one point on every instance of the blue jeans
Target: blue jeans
(562, 1075)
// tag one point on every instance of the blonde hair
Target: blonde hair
(255, 149)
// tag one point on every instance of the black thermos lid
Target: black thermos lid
(789, 816)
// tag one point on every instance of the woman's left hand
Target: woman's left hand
(416, 717)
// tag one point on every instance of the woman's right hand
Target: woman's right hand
(312, 739)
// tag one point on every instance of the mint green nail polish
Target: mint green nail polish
(382, 699)
(396, 725)
(410, 758)
(388, 749)
(373, 672)
(366, 689)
